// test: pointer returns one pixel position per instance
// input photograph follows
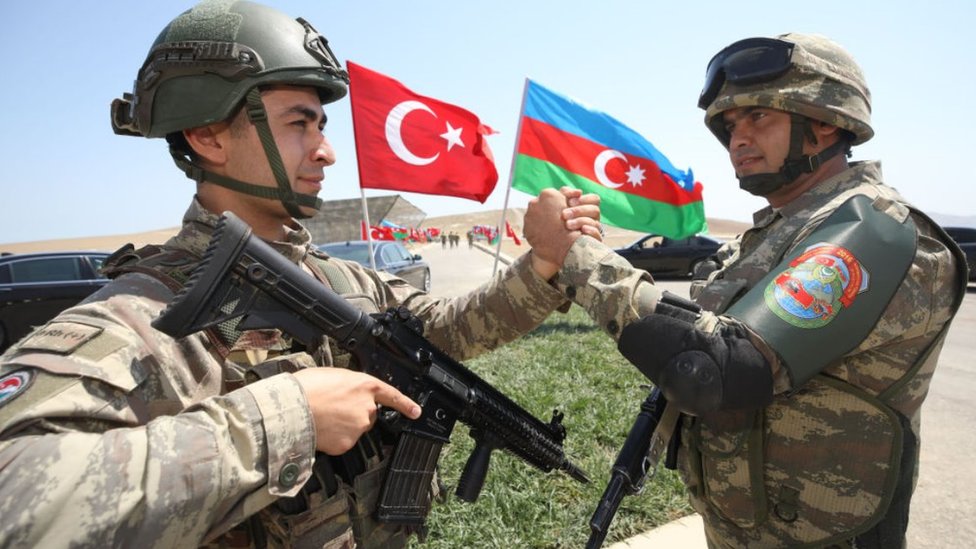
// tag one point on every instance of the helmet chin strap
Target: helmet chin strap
(796, 163)
(291, 200)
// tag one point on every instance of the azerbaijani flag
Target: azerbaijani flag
(399, 232)
(562, 143)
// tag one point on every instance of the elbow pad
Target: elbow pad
(697, 371)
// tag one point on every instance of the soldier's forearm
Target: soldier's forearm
(166, 483)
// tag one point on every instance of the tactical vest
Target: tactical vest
(820, 465)
(335, 507)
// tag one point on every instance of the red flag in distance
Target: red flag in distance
(511, 233)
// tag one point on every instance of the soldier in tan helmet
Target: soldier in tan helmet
(113, 434)
(799, 382)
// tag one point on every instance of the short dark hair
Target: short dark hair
(848, 138)
(178, 143)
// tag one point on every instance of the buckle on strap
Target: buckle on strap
(254, 107)
(191, 170)
(813, 162)
(256, 113)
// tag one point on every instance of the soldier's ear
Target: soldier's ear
(209, 142)
(826, 134)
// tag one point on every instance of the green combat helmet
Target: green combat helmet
(808, 76)
(208, 61)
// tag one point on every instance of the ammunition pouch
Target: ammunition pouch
(782, 453)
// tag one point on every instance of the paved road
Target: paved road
(945, 498)
(455, 271)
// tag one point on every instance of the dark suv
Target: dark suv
(35, 287)
(966, 238)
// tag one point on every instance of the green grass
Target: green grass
(567, 363)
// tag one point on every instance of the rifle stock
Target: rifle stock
(242, 284)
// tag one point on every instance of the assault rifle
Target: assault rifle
(630, 470)
(242, 284)
(653, 433)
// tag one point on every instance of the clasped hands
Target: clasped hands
(553, 222)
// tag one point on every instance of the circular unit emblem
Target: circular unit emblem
(816, 286)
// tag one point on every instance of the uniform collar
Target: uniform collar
(199, 224)
(857, 173)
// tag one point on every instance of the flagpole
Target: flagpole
(511, 172)
(369, 231)
(359, 169)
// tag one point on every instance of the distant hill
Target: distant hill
(459, 223)
(614, 237)
(720, 227)
(954, 220)
(100, 243)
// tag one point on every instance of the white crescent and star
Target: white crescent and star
(635, 175)
(394, 135)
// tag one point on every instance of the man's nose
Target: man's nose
(739, 136)
(324, 152)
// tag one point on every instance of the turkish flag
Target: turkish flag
(409, 142)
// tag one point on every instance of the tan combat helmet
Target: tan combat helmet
(808, 76)
(213, 58)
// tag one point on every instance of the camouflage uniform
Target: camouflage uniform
(830, 452)
(814, 467)
(830, 456)
(117, 435)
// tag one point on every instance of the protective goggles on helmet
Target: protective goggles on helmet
(746, 62)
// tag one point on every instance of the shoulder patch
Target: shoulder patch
(816, 305)
(817, 285)
(14, 384)
(60, 337)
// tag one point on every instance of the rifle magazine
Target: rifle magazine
(408, 487)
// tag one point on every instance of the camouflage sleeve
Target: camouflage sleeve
(606, 285)
(509, 305)
(922, 305)
(119, 437)
(919, 308)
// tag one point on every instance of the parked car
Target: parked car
(661, 255)
(35, 287)
(391, 256)
(966, 238)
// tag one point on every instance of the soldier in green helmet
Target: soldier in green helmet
(799, 381)
(114, 434)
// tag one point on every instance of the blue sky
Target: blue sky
(64, 173)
